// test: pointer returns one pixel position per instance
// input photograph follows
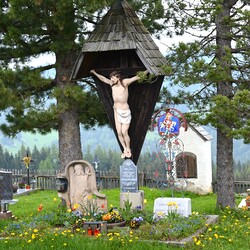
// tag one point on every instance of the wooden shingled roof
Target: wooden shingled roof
(120, 30)
(121, 42)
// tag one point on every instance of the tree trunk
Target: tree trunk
(68, 124)
(225, 178)
(69, 138)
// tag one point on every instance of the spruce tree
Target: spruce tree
(212, 71)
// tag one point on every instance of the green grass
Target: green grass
(26, 231)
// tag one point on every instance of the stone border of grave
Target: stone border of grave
(25, 192)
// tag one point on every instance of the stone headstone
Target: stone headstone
(183, 206)
(136, 199)
(128, 177)
(6, 189)
(77, 183)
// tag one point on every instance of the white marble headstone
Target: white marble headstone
(183, 206)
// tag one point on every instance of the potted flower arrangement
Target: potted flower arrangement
(91, 214)
(21, 184)
(112, 217)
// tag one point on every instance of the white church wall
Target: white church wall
(201, 147)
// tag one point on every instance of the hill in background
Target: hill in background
(104, 137)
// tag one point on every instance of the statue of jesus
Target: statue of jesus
(122, 113)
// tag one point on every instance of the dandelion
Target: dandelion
(198, 242)
(29, 241)
(35, 230)
(55, 199)
(145, 201)
(64, 244)
(216, 236)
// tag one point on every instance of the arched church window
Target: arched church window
(186, 165)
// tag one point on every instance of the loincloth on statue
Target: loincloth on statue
(123, 116)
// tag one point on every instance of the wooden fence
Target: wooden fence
(105, 180)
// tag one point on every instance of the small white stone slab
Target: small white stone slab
(183, 204)
(242, 203)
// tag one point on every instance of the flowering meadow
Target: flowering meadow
(41, 222)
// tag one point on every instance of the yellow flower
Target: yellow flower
(35, 230)
(75, 206)
(69, 210)
(55, 199)
(198, 242)
(145, 201)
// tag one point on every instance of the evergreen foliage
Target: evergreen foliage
(214, 62)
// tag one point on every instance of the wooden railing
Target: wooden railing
(105, 180)
(239, 186)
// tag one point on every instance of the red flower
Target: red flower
(40, 208)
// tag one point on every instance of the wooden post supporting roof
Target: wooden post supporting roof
(121, 42)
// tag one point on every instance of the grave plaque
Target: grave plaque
(128, 177)
(183, 206)
(6, 189)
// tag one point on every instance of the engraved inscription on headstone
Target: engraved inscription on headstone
(128, 177)
(6, 190)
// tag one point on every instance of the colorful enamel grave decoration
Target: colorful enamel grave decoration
(170, 148)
